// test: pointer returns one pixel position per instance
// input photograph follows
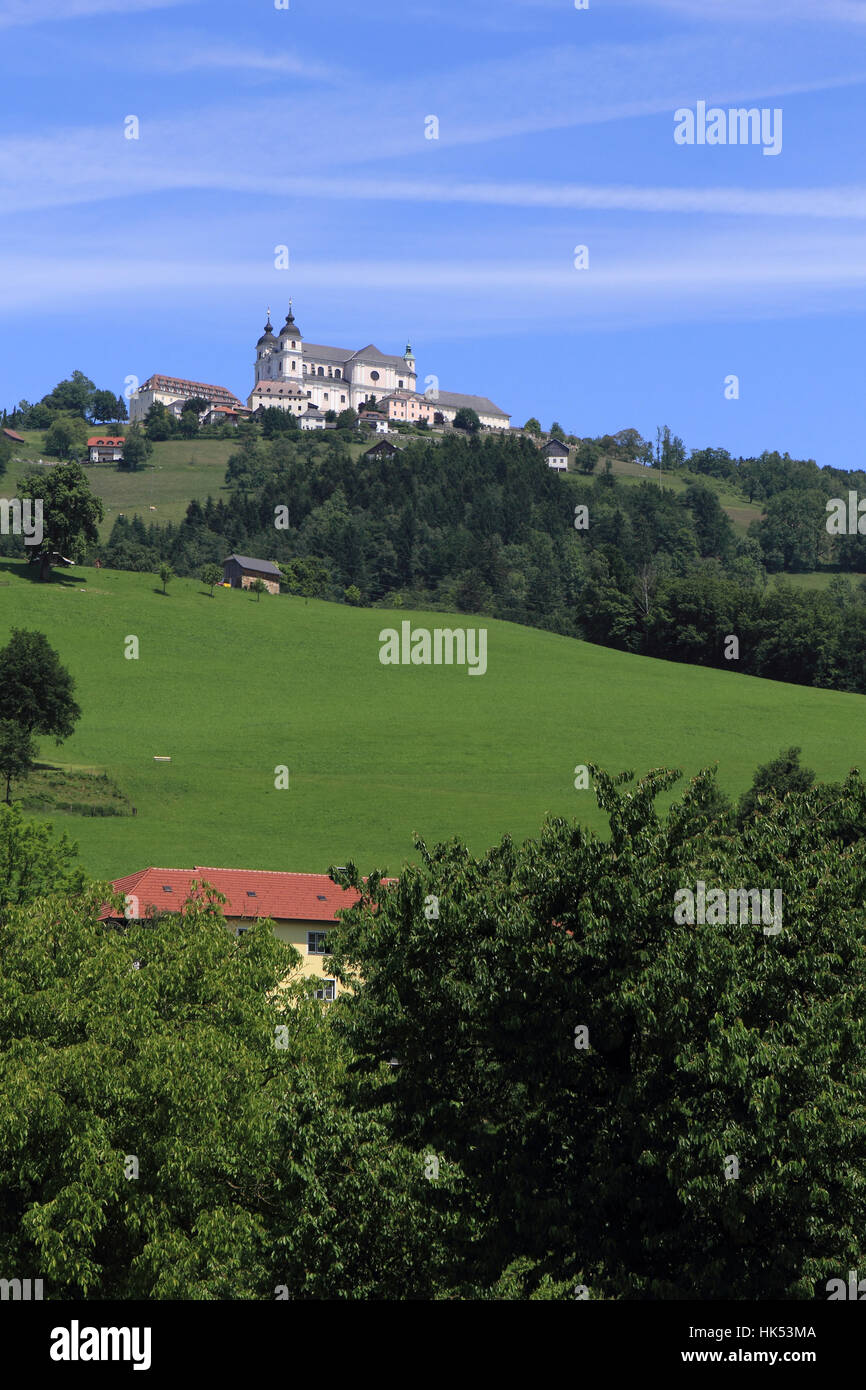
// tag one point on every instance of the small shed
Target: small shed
(16, 438)
(556, 454)
(242, 570)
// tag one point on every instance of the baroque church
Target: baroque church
(294, 375)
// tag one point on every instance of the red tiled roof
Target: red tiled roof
(106, 439)
(19, 438)
(283, 896)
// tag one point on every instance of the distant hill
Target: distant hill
(231, 688)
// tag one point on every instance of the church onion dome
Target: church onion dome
(290, 329)
(268, 336)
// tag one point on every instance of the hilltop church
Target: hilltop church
(310, 379)
(294, 375)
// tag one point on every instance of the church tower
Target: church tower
(265, 349)
(290, 350)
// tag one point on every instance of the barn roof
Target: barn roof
(247, 563)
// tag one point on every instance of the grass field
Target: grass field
(230, 688)
(178, 471)
(818, 579)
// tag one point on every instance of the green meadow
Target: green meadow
(231, 687)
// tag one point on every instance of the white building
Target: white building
(174, 391)
(293, 374)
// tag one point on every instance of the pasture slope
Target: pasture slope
(231, 687)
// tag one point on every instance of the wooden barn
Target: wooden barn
(241, 571)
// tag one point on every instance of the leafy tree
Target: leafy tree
(353, 595)
(166, 574)
(71, 513)
(103, 407)
(347, 419)
(307, 576)
(32, 862)
(17, 753)
(331, 417)
(74, 394)
(67, 435)
(211, 575)
(776, 779)
(199, 1056)
(556, 431)
(532, 426)
(136, 449)
(159, 424)
(35, 689)
(587, 455)
(591, 1063)
(258, 588)
(467, 419)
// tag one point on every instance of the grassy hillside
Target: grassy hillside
(177, 472)
(230, 688)
(741, 511)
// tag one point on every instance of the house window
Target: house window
(316, 943)
(166, 888)
(242, 931)
(327, 990)
(251, 892)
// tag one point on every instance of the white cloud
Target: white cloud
(772, 12)
(748, 276)
(242, 60)
(15, 13)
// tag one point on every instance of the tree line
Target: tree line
(537, 1085)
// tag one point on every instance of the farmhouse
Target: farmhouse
(302, 906)
(556, 454)
(241, 571)
(105, 448)
(382, 449)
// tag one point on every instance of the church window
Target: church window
(342, 400)
(321, 371)
(293, 366)
(399, 383)
(338, 372)
(374, 376)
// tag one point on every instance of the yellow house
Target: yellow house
(302, 906)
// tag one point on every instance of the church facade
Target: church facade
(293, 374)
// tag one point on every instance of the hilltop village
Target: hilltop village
(313, 379)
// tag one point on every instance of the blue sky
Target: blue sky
(306, 127)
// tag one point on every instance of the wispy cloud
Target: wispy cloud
(771, 12)
(216, 56)
(750, 276)
(17, 13)
(235, 147)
